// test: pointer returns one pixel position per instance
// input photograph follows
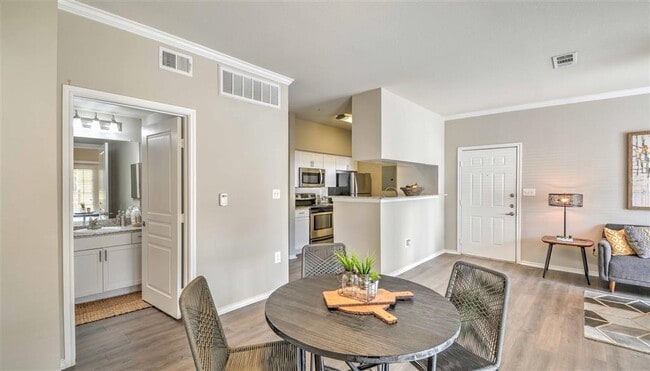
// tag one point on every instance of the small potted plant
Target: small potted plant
(348, 278)
(368, 279)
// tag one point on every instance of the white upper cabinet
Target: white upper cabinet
(388, 127)
(329, 164)
(309, 159)
(345, 163)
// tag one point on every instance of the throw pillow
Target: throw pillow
(619, 242)
(639, 240)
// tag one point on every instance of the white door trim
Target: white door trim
(518, 146)
(70, 93)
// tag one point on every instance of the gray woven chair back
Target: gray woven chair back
(319, 259)
(204, 331)
(481, 296)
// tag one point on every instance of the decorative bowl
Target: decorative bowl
(412, 191)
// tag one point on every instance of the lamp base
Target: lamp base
(564, 238)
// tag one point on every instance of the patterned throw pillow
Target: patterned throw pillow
(619, 242)
(639, 240)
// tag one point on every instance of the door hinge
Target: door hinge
(181, 218)
(181, 143)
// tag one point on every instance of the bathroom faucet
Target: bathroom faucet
(94, 223)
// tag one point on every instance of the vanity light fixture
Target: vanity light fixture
(344, 117)
(96, 122)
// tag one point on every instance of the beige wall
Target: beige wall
(315, 137)
(241, 150)
(571, 148)
(30, 281)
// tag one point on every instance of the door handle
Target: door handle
(105, 255)
(100, 256)
(512, 213)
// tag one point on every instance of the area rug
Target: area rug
(111, 307)
(619, 320)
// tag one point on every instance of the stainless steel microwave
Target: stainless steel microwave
(309, 177)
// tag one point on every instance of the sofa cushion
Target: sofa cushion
(639, 240)
(619, 242)
(629, 267)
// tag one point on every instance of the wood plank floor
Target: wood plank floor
(544, 328)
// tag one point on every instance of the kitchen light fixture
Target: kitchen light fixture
(344, 117)
(96, 122)
(565, 200)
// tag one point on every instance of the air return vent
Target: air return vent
(175, 62)
(565, 59)
(250, 89)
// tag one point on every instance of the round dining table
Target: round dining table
(426, 324)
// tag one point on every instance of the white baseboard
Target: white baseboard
(454, 252)
(294, 256)
(593, 271)
(415, 264)
(248, 301)
(109, 294)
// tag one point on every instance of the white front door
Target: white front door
(488, 202)
(161, 214)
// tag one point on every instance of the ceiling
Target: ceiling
(449, 57)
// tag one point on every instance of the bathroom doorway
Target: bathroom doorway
(128, 206)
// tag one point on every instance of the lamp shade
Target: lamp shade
(565, 199)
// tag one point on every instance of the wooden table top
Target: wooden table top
(576, 241)
(426, 325)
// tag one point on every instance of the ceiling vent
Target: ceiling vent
(175, 62)
(250, 89)
(565, 59)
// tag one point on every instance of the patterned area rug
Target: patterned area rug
(619, 320)
(111, 307)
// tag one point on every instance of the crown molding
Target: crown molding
(113, 20)
(551, 103)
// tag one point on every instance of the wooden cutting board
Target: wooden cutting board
(334, 300)
(378, 310)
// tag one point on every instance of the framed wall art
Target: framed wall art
(638, 170)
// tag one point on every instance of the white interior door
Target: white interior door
(161, 214)
(488, 202)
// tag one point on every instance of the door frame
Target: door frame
(69, 94)
(518, 147)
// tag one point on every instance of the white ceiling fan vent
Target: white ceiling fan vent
(567, 59)
(239, 86)
(175, 62)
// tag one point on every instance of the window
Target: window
(85, 188)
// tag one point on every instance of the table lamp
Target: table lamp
(565, 200)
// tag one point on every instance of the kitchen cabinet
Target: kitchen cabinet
(329, 164)
(302, 229)
(309, 159)
(88, 273)
(106, 268)
(345, 163)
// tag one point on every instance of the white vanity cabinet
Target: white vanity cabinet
(106, 264)
(88, 273)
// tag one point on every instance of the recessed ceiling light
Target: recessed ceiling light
(344, 117)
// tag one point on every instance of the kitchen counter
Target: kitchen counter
(81, 233)
(384, 199)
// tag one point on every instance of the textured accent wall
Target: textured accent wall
(577, 148)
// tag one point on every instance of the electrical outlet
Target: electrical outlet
(407, 243)
(278, 257)
(276, 194)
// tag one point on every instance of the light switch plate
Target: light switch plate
(529, 191)
(223, 199)
(278, 257)
(276, 194)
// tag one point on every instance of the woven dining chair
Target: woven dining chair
(481, 297)
(208, 343)
(319, 259)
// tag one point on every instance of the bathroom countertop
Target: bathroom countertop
(104, 231)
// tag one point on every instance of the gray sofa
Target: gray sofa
(629, 269)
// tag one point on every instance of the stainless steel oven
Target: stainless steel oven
(321, 224)
(309, 177)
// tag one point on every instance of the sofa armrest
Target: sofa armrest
(604, 256)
